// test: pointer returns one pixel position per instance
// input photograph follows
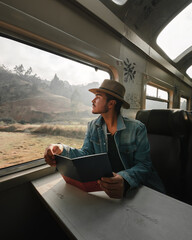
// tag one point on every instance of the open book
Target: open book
(83, 172)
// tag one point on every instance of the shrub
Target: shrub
(7, 120)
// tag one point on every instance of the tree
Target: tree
(19, 70)
(28, 72)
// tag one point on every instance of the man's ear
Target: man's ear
(111, 103)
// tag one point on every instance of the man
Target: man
(124, 140)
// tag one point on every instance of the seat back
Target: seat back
(166, 130)
(188, 179)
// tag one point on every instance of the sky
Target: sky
(46, 64)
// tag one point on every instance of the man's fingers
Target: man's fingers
(51, 161)
(105, 185)
(56, 149)
(49, 154)
(110, 180)
(113, 187)
(112, 193)
(113, 180)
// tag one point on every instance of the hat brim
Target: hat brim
(125, 104)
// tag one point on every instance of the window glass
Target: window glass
(162, 94)
(156, 98)
(44, 99)
(119, 2)
(151, 104)
(189, 71)
(179, 32)
(183, 103)
(151, 91)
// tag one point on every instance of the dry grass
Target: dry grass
(22, 143)
(60, 130)
(18, 127)
(74, 131)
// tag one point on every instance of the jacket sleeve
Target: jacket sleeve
(142, 165)
(86, 149)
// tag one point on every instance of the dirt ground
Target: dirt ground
(22, 147)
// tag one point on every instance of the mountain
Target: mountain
(27, 98)
(73, 92)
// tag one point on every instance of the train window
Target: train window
(189, 71)
(156, 98)
(178, 29)
(44, 99)
(183, 103)
(119, 2)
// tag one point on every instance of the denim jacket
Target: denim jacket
(132, 145)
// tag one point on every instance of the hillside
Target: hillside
(26, 98)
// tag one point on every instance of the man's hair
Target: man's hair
(118, 102)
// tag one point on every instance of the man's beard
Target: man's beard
(105, 110)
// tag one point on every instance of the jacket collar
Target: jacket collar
(120, 122)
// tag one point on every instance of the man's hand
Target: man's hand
(113, 186)
(50, 151)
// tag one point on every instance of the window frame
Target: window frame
(157, 83)
(156, 98)
(21, 167)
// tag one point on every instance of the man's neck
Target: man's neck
(110, 119)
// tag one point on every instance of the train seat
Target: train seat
(188, 180)
(166, 132)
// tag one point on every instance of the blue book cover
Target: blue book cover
(84, 172)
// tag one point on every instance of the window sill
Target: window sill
(23, 176)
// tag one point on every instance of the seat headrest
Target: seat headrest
(164, 121)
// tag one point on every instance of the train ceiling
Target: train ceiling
(147, 18)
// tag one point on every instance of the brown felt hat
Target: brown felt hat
(113, 88)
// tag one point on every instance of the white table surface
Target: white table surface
(143, 215)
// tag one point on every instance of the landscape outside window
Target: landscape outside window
(44, 99)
